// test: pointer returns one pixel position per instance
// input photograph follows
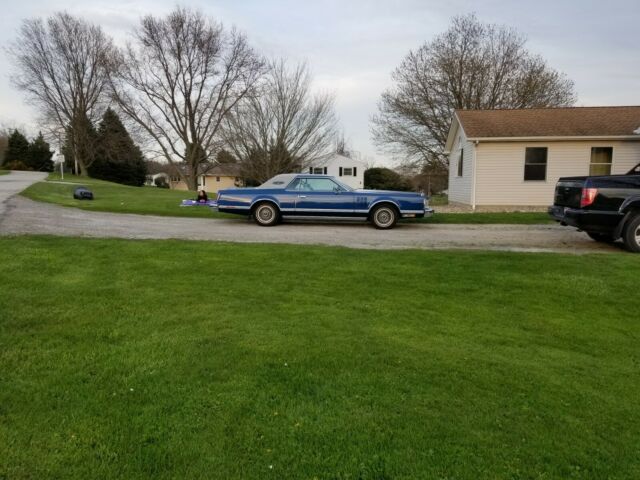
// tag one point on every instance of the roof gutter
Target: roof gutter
(554, 139)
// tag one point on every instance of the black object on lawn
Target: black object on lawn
(82, 193)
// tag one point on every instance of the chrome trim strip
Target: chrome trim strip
(233, 206)
(337, 210)
(382, 201)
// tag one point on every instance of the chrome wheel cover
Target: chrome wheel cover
(265, 214)
(384, 217)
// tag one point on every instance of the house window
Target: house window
(217, 179)
(318, 171)
(535, 164)
(347, 172)
(601, 159)
(203, 180)
(461, 162)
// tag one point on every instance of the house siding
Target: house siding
(211, 185)
(500, 169)
(334, 165)
(461, 188)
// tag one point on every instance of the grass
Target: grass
(113, 197)
(166, 359)
(4, 172)
(480, 218)
(438, 200)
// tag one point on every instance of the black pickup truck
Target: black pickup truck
(606, 207)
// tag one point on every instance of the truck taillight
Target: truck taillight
(588, 196)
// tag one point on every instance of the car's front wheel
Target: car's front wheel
(384, 217)
(631, 235)
(266, 214)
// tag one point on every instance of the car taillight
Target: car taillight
(588, 196)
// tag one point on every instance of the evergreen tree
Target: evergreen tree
(385, 179)
(118, 158)
(223, 157)
(40, 155)
(16, 156)
(87, 135)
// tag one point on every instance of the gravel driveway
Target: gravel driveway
(24, 216)
(14, 183)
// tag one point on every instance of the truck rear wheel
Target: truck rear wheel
(631, 234)
(601, 237)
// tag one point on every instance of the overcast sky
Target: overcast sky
(352, 46)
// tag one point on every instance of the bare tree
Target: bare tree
(283, 127)
(179, 79)
(60, 65)
(342, 147)
(470, 66)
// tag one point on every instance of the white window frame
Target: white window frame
(609, 164)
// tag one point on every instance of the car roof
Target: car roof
(284, 179)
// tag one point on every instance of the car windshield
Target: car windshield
(344, 185)
(635, 170)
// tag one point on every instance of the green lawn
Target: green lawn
(167, 359)
(438, 200)
(4, 172)
(520, 218)
(113, 197)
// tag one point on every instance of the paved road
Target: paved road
(23, 216)
(14, 183)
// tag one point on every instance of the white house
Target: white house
(515, 157)
(345, 169)
(151, 179)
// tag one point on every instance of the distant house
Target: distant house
(216, 178)
(515, 157)
(345, 169)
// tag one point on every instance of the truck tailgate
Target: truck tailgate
(569, 192)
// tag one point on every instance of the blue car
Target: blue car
(305, 195)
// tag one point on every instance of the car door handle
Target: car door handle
(302, 196)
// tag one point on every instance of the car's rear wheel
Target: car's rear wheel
(601, 237)
(384, 217)
(631, 234)
(266, 214)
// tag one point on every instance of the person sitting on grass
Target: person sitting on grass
(202, 197)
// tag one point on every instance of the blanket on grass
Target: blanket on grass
(195, 203)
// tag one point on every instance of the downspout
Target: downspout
(473, 175)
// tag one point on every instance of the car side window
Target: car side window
(295, 185)
(318, 185)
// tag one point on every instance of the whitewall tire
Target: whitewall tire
(266, 214)
(384, 217)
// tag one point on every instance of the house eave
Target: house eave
(456, 125)
(556, 139)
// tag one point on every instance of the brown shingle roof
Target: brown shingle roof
(551, 122)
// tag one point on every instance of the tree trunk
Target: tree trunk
(192, 182)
